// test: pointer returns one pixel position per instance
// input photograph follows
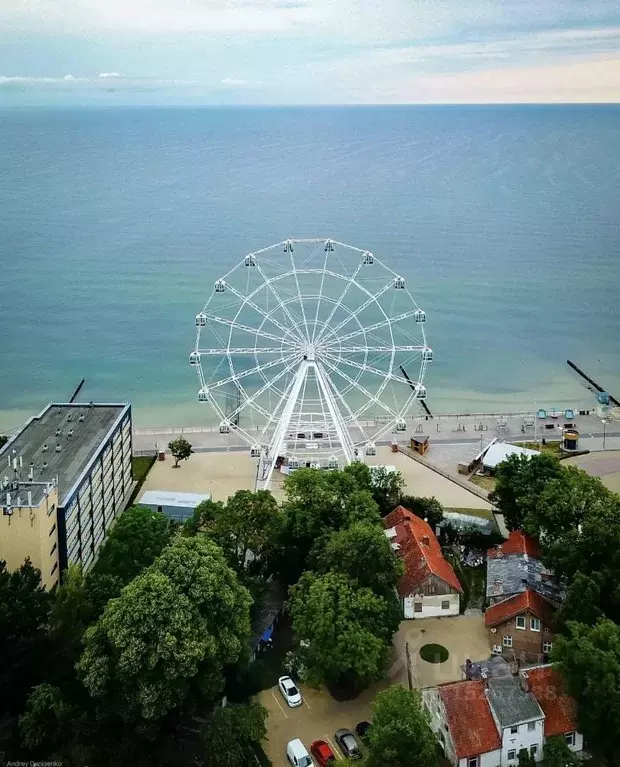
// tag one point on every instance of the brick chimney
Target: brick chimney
(525, 682)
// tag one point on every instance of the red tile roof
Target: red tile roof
(469, 718)
(525, 601)
(559, 708)
(518, 543)
(419, 550)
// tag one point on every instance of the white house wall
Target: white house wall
(490, 759)
(431, 606)
(522, 739)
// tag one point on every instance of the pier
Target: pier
(591, 381)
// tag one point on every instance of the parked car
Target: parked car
(289, 691)
(297, 754)
(348, 744)
(322, 753)
(361, 729)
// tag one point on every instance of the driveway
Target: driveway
(464, 637)
(316, 719)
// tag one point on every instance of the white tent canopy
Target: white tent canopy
(500, 451)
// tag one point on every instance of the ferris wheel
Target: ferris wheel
(311, 351)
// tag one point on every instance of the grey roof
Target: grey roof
(510, 703)
(493, 667)
(76, 450)
(172, 498)
(513, 573)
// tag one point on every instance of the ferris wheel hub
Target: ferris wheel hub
(310, 353)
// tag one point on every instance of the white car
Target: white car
(289, 691)
(297, 754)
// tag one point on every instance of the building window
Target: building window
(512, 754)
(520, 622)
(535, 624)
(547, 646)
(507, 641)
(51, 509)
(534, 749)
(514, 730)
(445, 605)
(53, 529)
(531, 726)
(569, 737)
(472, 761)
(497, 649)
(54, 547)
(417, 607)
(54, 568)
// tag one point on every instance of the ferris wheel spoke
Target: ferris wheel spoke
(353, 315)
(245, 350)
(282, 304)
(301, 301)
(377, 325)
(233, 325)
(352, 415)
(377, 349)
(371, 397)
(251, 399)
(251, 371)
(320, 296)
(338, 303)
(247, 301)
(364, 368)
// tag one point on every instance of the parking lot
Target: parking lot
(317, 718)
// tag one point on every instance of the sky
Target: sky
(308, 51)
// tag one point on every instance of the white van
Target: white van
(297, 754)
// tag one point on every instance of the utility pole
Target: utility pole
(409, 674)
(604, 422)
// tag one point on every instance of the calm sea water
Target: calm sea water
(115, 222)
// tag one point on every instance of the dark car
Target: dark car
(361, 729)
(348, 745)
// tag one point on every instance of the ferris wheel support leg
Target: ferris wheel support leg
(275, 446)
(341, 430)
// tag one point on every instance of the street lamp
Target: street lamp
(604, 422)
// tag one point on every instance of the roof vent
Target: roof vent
(70, 417)
(43, 466)
(58, 433)
(58, 447)
(70, 433)
(396, 546)
(44, 448)
(81, 417)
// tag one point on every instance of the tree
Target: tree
(362, 553)
(519, 482)
(387, 488)
(400, 735)
(138, 537)
(526, 759)
(556, 753)
(345, 631)
(588, 658)
(584, 598)
(425, 508)
(26, 648)
(231, 733)
(169, 634)
(180, 449)
(203, 518)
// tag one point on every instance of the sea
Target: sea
(115, 222)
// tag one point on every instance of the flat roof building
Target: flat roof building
(178, 506)
(82, 452)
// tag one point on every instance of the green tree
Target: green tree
(400, 735)
(203, 518)
(584, 598)
(387, 488)
(520, 481)
(362, 553)
(169, 634)
(231, 733)
(180, 449)
(588, 657)
(346, 631)
(556, 753)
(425, 508)
(138, 537)
(526, 759)
(361, 474)
(26, 647)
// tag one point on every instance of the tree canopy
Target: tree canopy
(425, 508)
(231, 733)
(180, 450)
(520, 481)
(386, 487)
(345, 630)
(172, 629)
(556, 753)
(589, 659)
(400, 735)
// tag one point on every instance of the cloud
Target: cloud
(108, 75)
(27, 80)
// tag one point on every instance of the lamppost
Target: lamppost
(604, 422)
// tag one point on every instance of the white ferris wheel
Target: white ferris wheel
(312, 351)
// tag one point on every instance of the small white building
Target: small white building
(429, 587)
(500, 451)
(487, 722)
(177, 506)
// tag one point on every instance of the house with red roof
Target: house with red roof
(487, 722)
(429, 587)
(523, 596)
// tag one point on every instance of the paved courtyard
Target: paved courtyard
(604, 464)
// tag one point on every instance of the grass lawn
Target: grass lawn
(434, 653)
(486, 483)
(140, 467)
(548, 447)
(482, 513)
